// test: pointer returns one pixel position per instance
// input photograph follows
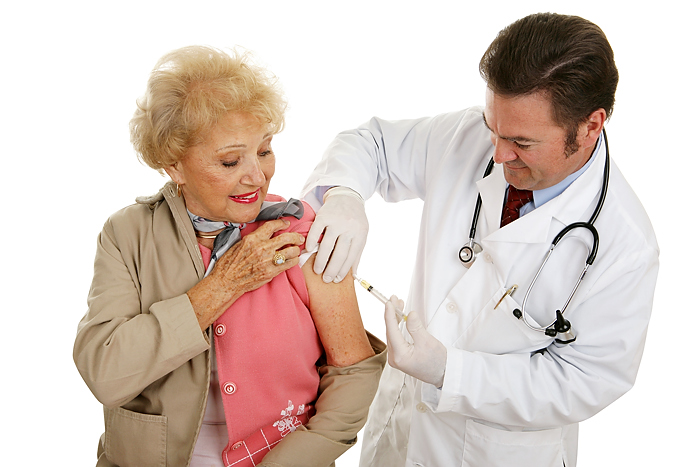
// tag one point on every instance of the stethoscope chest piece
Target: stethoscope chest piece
(467, 254)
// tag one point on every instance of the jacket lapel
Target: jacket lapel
(184, 225)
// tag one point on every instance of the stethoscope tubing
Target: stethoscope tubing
(577, 225)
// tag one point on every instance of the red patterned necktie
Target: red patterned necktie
(516, 200)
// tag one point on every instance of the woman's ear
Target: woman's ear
(175, 173)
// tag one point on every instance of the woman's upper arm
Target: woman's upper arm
(336, 315)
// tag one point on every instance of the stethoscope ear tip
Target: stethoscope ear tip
(561, 324)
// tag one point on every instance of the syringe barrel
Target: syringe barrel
(377, 294)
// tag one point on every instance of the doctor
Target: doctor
(474, 385)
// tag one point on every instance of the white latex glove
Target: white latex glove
(425, 358)
(343, 223)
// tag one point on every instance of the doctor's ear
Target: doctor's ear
(592, 127)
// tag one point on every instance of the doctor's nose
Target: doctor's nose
(503, 151)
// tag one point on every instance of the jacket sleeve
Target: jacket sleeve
(561, 384)
(121, 348)
(393, 158)
(345, 395)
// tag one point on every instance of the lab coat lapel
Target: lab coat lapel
(575, 204)
(532, 228)
(492, 190)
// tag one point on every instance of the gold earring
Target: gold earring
(179, 191)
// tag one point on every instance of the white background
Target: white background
(71, 72)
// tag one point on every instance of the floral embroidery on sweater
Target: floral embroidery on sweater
(290, 422)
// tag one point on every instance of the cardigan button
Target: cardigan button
(237, 445)
(220, 329)
(229, 388)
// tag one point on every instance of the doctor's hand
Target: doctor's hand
(344, 226)
(425, 358)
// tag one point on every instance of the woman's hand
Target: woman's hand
(246, 266)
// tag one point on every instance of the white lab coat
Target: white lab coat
(511, 396)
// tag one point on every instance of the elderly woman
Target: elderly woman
(208, 339)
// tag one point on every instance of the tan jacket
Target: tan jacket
(141, 352)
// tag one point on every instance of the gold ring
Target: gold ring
(279, 259)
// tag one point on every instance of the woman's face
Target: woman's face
(226, 177)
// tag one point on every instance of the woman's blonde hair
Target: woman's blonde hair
(189, 90)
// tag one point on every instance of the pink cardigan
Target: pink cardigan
(266, 351)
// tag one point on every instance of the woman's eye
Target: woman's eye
(230, 164)
(265, 153)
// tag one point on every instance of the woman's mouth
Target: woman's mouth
(246, 198)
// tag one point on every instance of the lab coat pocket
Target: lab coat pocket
(135, 439)
(485, 446)
(497, 331)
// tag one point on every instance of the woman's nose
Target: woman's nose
(254, 175)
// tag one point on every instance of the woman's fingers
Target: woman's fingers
(260, 256)
(287, 239)
(269, 228)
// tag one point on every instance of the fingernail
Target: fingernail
(337, 279)
(327, 279)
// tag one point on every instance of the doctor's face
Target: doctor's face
(529, 144)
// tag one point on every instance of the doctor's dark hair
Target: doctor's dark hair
(567, 57)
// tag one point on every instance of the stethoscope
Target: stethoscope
(560, 325)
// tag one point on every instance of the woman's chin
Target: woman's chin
(243, 214)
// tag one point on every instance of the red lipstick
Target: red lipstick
(246, 198)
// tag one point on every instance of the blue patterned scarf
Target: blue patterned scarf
(232, 231)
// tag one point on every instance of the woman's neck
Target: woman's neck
(208, 238)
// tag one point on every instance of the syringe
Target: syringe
(366, 285)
